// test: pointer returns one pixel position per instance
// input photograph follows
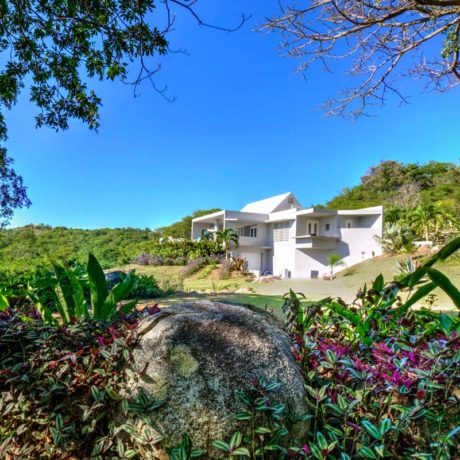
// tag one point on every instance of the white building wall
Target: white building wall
(333, 226)
(354, 244)
(311, 260)
(284, 252)
(358, 244)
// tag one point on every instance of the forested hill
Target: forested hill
(404, 186)
(36, 245)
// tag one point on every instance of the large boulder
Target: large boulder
(197, 355)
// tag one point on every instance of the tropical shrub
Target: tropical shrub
(225, 270)
(239, 264)
(382, 380)
(146, 287)
(185, 249)
(61, 391)
(14, 285)
(334, 261)
(397, 237)
(70, 301)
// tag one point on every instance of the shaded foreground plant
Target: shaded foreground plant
(267, 425)
(63, 391)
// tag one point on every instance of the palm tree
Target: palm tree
(422, 219)
(226, 238)
(335, 260)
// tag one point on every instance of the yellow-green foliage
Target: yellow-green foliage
(33, 246)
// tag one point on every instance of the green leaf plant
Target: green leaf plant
(79, 296)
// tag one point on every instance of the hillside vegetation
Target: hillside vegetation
(399, 185)
(182, 228)
(34, 246)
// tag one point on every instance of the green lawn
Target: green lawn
(345, 285)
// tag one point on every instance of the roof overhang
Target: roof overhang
(209, 217)
(374, 210)
(317, 212)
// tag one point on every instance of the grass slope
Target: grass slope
(270, 295)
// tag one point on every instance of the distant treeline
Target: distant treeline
(36, 246)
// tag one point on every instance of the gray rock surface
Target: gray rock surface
(197, 355)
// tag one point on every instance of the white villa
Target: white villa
(279, 236)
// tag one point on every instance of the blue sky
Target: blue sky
(244, 126)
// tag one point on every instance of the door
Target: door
(254, 260)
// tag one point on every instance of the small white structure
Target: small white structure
(277, 235)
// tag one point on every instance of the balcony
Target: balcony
(316, 242)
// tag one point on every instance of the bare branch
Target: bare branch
(384, 40)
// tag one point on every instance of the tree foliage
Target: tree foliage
(422, 202)
(55, 48)
(36, 246)
(12, 191)
(401, 186)
(382, 40)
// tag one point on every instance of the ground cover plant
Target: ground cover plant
(61, 388)
(383, 381)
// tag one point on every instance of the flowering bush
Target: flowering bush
(195, 265)
(225, 270)
(149, 259)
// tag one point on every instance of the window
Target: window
(242, 231)
(249, 231)
(312, 227)
(349, 223)
(281, 231)
(328, 227)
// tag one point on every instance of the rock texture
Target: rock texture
(199, 354)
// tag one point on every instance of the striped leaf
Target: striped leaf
(236, 439)
(241, 451)
(221, 445)
(372, 430)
